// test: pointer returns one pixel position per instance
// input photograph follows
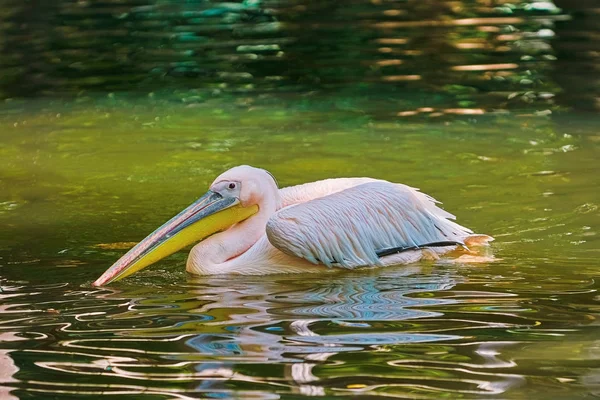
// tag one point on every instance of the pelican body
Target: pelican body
(246, 225)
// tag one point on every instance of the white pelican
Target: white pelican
(246, 225)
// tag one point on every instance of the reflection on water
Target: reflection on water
(481, 54)
(421, 332)
(77, 179)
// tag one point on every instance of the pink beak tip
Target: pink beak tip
(99, 282)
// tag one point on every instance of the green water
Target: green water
(76, 175)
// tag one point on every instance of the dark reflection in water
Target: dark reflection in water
(479, 54)
(418, 332)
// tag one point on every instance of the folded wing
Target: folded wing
(355, 226)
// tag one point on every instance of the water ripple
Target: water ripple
(410, 332)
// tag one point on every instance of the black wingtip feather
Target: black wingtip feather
(396, 250)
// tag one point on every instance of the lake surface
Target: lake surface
(81, 179)
(474, 54)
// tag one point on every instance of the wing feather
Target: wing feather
(351, 226)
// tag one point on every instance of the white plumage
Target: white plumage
(349, 227)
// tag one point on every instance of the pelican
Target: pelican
(246, 225)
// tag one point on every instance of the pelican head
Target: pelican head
(235, 196)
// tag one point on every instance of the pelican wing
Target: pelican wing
(313, 190)
(355, 226)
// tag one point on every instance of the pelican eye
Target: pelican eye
(232, 185)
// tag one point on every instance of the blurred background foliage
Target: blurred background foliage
(473, 56)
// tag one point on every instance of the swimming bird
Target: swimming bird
(246, 225)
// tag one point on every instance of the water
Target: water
(473, 54)
(79, 180)
(133, 107)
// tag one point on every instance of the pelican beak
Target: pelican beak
(209, 214)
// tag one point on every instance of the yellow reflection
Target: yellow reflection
(392, 41)
(487, 21)
(396, 78)
(485, 67)
(464, 111)
(387, 63)
(406, 113)
(509, 37)
(455, 22)
(393, 13)
(471, 45)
